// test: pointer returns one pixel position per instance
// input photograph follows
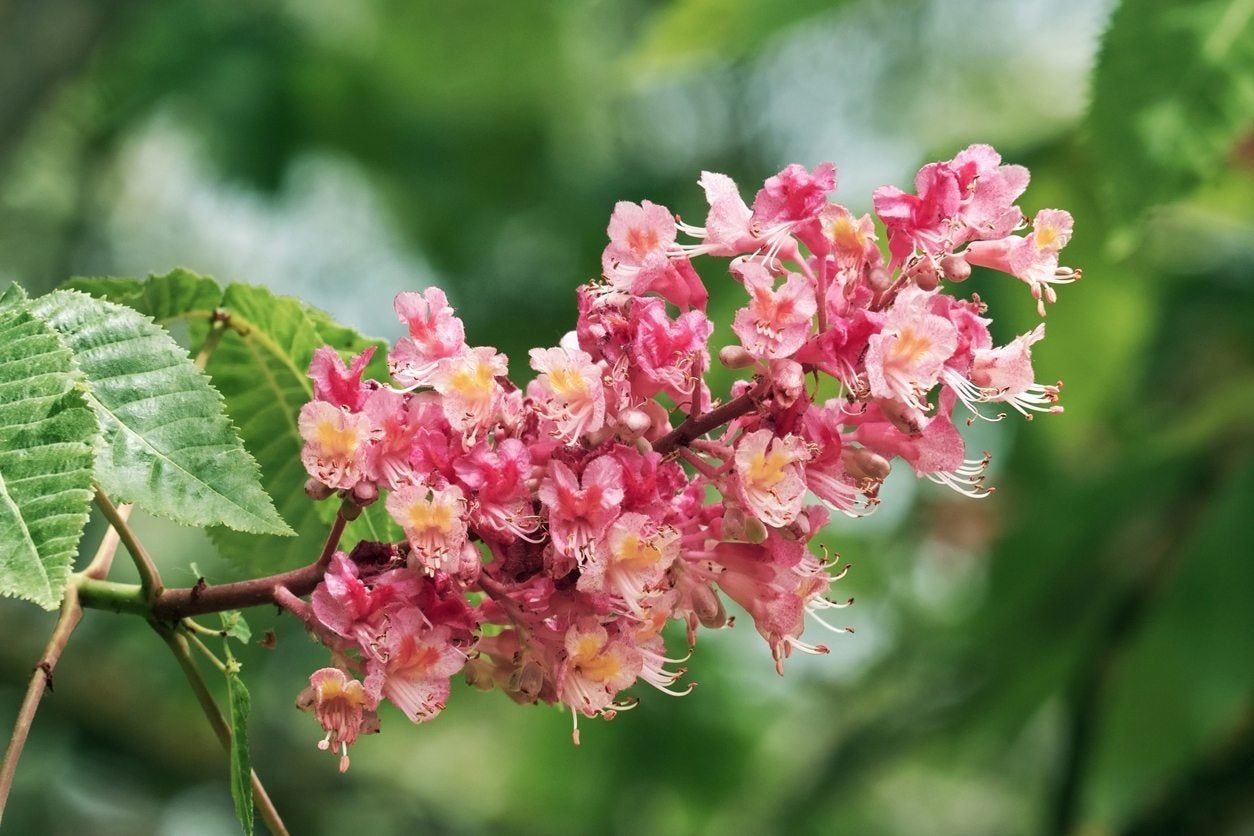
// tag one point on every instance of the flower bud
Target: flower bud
(735, 357)
(708, 607)
(879, 278)
(635, 423)
(925, 275)
(861, 463)
(955, 268)
(479, 675)
(364, 493)
(351, 510)
(902, 416)
(755, 531)
(317, 491)
(528, 680)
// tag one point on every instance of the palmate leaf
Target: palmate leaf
(1173, 90)
(260, 367)
(47, 438)
(168, 445)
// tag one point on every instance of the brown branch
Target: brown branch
(175, 604)
(694, 428)
(41, 680)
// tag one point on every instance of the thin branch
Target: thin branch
(695, 428)
(178, 646)
(149, 577)
(71, 614)
(217, 326)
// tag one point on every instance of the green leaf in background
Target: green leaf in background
(179, 294)
(47, 438)
(691, 33)
(1174, 88)
(241, 763)
(168, 444)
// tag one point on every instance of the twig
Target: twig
(149, 577)
(71, 614)
(178, 646)
(697, 427)
(217, 326)
(41, 679)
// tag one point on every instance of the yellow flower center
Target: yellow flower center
(846, 234)
(568, 383)
(426, 515)
(472, 380)
(1045, 236)
(909, 347)
(632, 552)
(591, 660)
(335, 441)
(766, 470)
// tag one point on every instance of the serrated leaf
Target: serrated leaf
(47, 438)
(1173, 89)
(263, 374)
(14, 294)
(179, 294)
(241, 761)
(168, 445)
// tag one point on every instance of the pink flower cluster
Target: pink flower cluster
(551, 532)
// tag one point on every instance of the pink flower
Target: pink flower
(497, 479)
(434, 521)
(1032, 259)
(468, 386)
(793, 195)
(825, 472)
(771, 476)
(631, 561)
(775, 323)
(728, 228)
(597, 666)
(335, 443)
(434, 334)
(336, 383)
(1005, 375)
(343, 708)
(568, 391)
(410, 663)
(637, 231)
(347, 605)
(580, 510)
(665, 352)
(904, 360)
(395, 418)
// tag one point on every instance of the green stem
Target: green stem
(116, 597)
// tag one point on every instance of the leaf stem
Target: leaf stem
(218, 322)
(149, 577)
(179, 647)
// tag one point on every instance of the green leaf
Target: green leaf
(179, 294)
(263, 375)
(1173, 90)
(168, 445)
(47, 437)
(260, 367)
(235, 627)
(13, 295)
(241, 763)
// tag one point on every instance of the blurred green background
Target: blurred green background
(1074, 654)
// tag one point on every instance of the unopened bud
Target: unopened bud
(902, 416)
(708, 607)
(317, 491)
(955, 268)
(861, 463)
(735, 357)
(530, 679)
(351, 510)
(479, 675)
(879, 278)
(925, 275)
(755, 531)
(365, 493)
(635, 422)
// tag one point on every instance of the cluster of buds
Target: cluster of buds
(551, 532)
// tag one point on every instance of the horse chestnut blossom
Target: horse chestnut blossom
(552, 531)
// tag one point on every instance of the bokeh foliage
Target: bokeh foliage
(1071, 654)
